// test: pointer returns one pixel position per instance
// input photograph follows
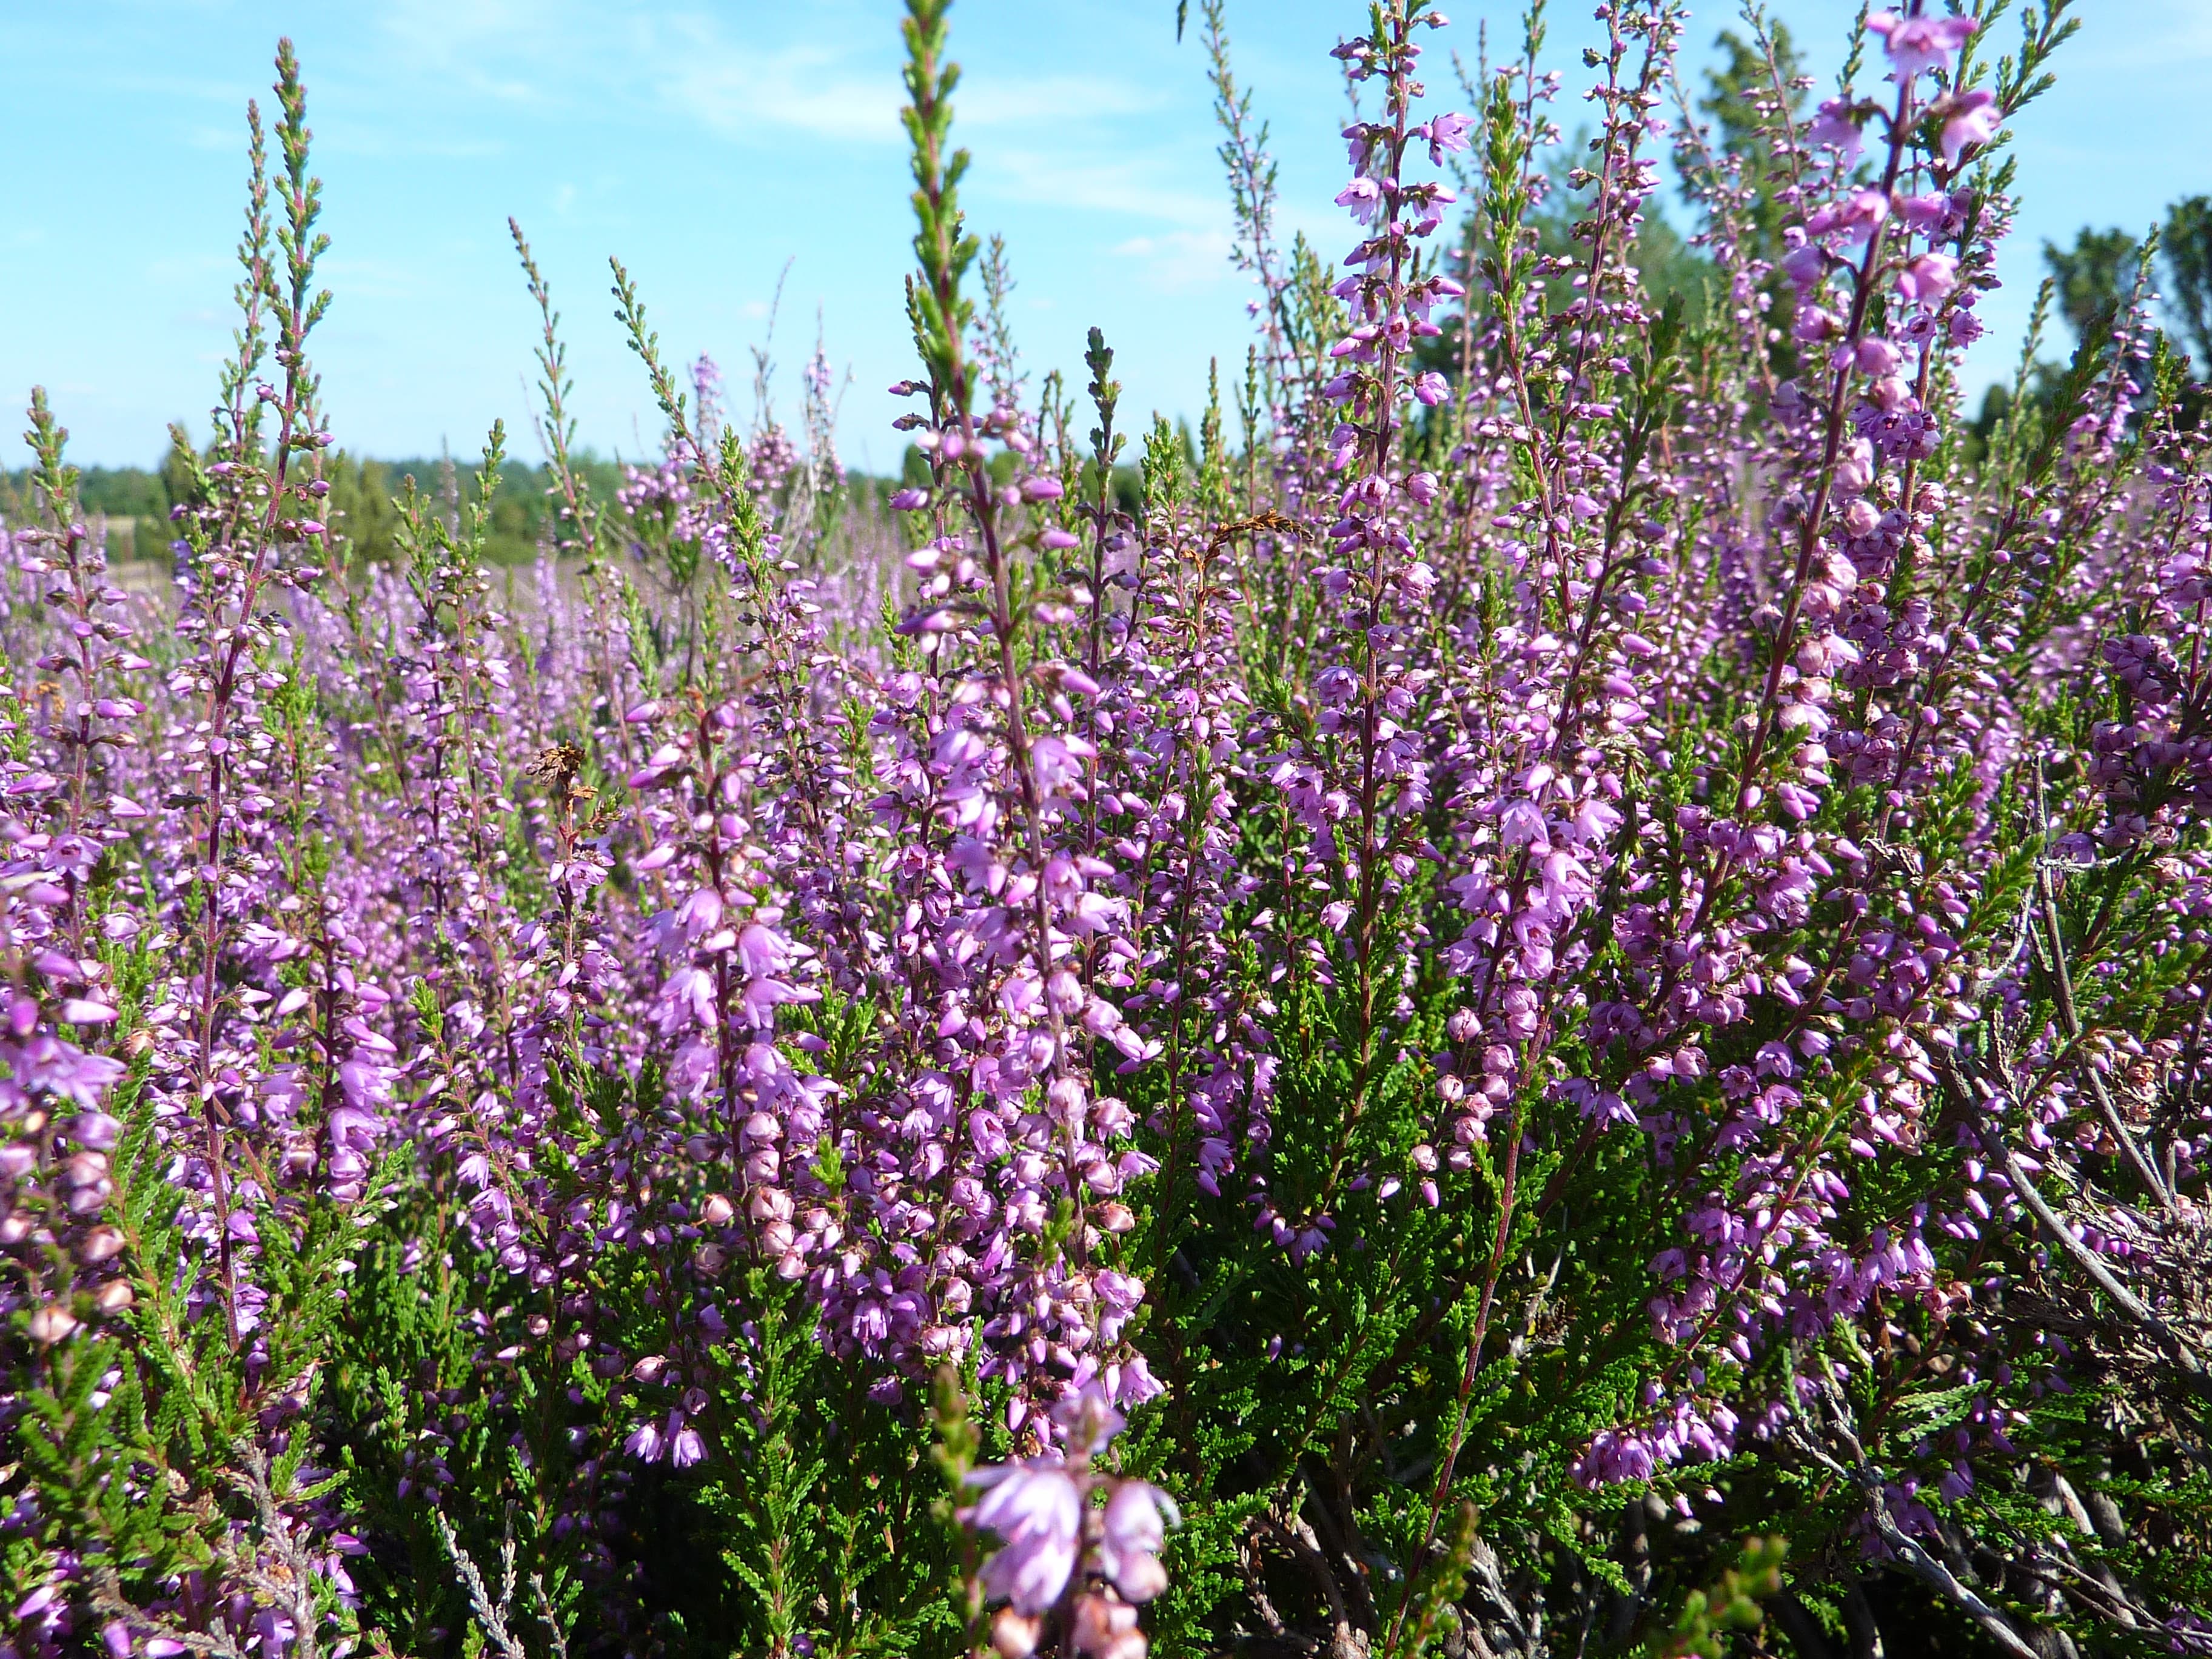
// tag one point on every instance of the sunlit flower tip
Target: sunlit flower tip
(1014, 1635)
(1106, 1629)
(643, 713)
(1973, 119)
(83, 1010)
(50, 1323)
(1915, 45)
(1058, 539)
(1422, 487)
(1431, 388)
(1042, 489)
(906, 500)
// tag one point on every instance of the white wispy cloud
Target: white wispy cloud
(752, 92)
(830, 70)
(1141, 186)
(1180, 259)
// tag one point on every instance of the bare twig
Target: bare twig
(490, 1614)
(2070, 1016)
(1908, 1550)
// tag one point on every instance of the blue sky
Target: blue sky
(708, 145)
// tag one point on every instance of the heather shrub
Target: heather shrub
(1546, 996)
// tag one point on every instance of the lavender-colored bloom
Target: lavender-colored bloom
(1836, 126)
(1854, 218)
(1928, 278)
(1448, 134)
(1363, 196)
(1972, 117)
(1035, 1507)
(1915, 45)
(1131, 1536)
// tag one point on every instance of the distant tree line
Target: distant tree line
(2091, 281)
(136, 502)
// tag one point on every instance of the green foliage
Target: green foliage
(2092, 275)
(2187, 245)
(362, 502)
(1731, 1604)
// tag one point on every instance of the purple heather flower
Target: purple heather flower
(1447, 134)
(1923, 214)
(1928, 277)
(1855, 217)
(685, 1448)
(1034, 1506)
(1972, 117)
(1875, 356)
(1805, 266)
(1837, 125)
(1915, 45)
(1131, 1537)
(1088, 1419)
(1363, 196)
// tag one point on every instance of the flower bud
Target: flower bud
(1014, 1635)
(50, 1323)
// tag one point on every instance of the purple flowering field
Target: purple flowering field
(1541, 992)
